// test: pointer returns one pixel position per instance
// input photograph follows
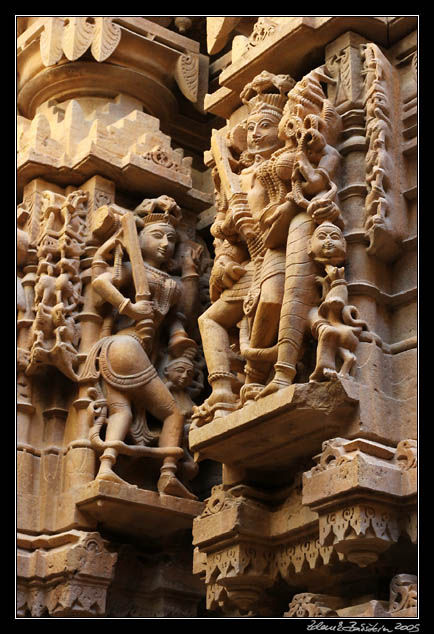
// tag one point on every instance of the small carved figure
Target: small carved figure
(333, 323)
(145, 299)
(184, 380)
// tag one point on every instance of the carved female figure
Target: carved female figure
(146, 299)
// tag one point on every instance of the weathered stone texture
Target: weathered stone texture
(217, 317)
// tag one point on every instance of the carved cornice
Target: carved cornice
(66, 143)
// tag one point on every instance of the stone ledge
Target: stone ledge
(280, 428)
(136, 512)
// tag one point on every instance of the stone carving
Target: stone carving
(381, 229)
(360, 531)
(403, 596)
(262, 29)
(73, 36)
(140, 303)
(55, 334)
(81, 570)
(308, 605)
(64, 134)
(406, 455)
(335, 324)
(278, 227)
(187, 76)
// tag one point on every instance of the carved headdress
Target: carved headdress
(267, 93)
(163, 209)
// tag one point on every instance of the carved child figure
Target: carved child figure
(332, 322)
(126, 359)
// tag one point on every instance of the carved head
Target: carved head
(327, 244)
(180, 372)
(158, 238)
(262, 133)
(158, 242)
(265, 99)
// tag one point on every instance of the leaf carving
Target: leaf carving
(106, 38)
(77, 36)
(51, 41)
(187, 75)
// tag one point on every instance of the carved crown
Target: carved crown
(163, 209)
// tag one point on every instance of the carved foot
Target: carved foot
(284, 376)
(107, 474)
(214, 407)
(170, 485)
(249, 392)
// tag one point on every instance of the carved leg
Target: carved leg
(162, 405)
(348, 344)
(328, 338)
(300, 295)
(118, 424)
(214, 325)
(349, 359)
(263, 335)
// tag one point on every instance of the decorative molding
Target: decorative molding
(73, 36)
(69, 579)
(313, 606)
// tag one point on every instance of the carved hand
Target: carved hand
(231, 274)
(140, 310)
(191, 260)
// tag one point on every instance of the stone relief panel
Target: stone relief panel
(278, 281)
(97, 280)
